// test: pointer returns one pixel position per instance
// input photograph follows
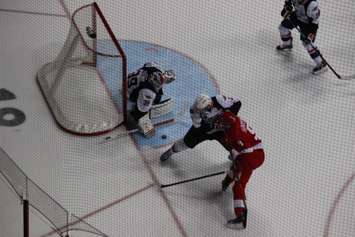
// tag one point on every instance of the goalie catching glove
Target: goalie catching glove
(287, 10)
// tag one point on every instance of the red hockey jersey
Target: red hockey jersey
(240, 136)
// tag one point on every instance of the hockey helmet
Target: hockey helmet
(203, 102)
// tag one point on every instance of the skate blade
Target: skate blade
(239, 226)
(285, 52)
(320, 71)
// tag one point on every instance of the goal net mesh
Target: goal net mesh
(84, 85)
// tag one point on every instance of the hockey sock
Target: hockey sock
(239, 211)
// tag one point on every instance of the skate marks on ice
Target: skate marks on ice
(313, 86)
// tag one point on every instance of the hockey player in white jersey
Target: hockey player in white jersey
(145, 90)
(305, 15)
(203, 113)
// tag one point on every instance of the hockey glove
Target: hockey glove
(288, 5)
(233, 155)
(146, 126)
(309, 39)
(287, 10)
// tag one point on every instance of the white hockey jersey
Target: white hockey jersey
(145, 100)
(141, 90)
(308, 12)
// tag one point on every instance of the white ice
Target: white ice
(304, 188)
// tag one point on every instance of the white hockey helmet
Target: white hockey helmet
(203, 102)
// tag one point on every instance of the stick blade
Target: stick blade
(347, 78)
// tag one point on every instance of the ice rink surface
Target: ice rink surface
(306, 186)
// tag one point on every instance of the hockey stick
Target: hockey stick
(326, 62)
(314, 47)
(178, 116)
(126, 133)
(349, 77)
(190, 180)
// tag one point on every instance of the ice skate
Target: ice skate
(284, 47)
(322, 67)
(166, 155)
(239, 222)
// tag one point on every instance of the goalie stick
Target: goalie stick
(178, 116)
(126, 133)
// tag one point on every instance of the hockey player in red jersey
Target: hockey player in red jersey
(246, 154)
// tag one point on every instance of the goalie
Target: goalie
(145, 90)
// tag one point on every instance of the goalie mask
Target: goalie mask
(157, 76)
(158, 79)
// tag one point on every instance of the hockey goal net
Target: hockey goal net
(85, 86)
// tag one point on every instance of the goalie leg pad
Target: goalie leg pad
(164, 107)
